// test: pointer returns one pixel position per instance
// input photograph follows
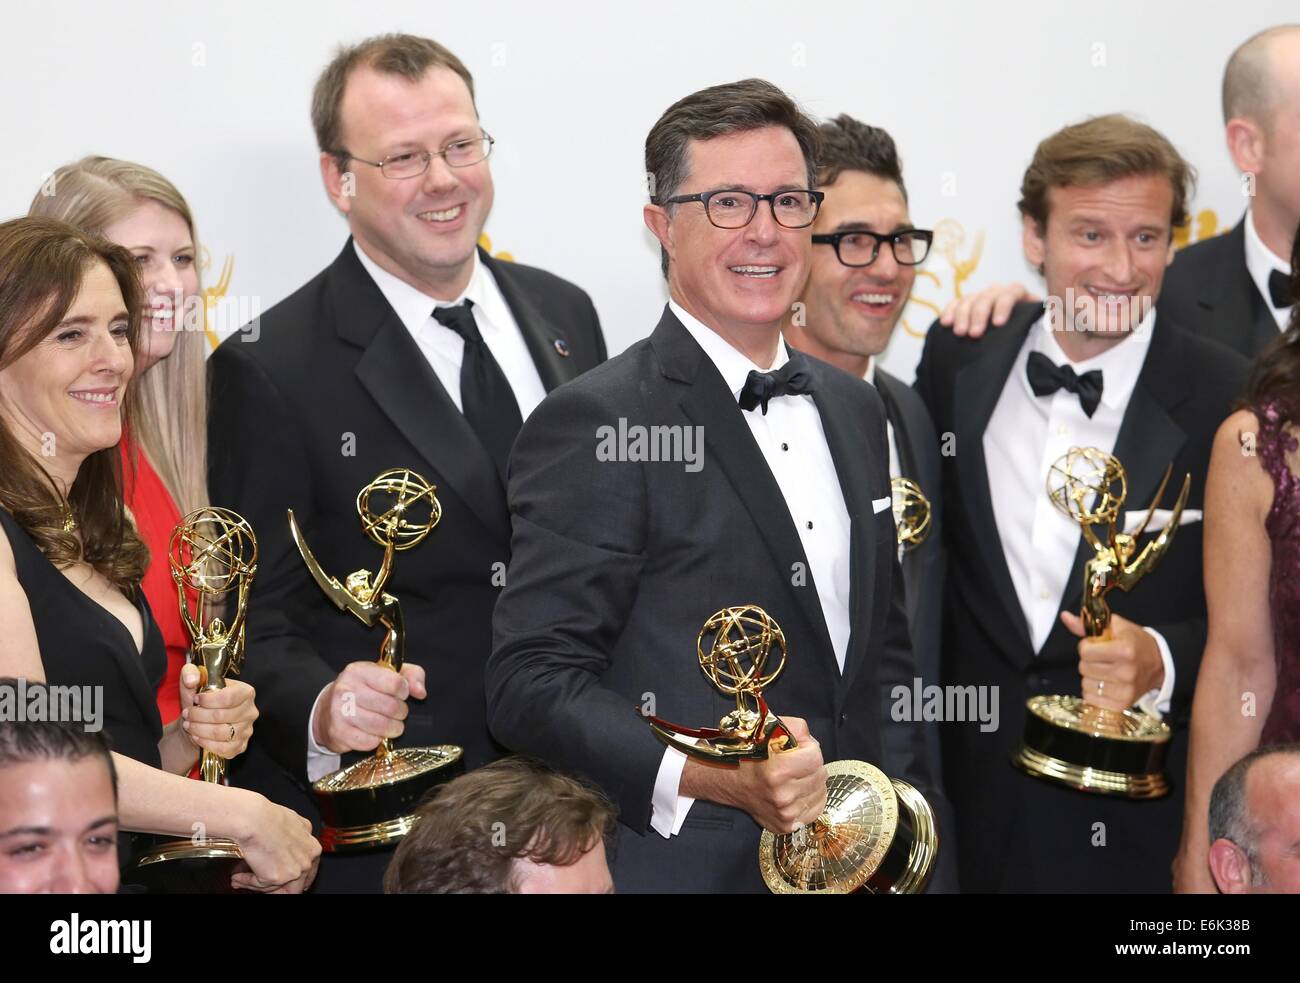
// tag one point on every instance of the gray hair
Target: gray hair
(1230, 817)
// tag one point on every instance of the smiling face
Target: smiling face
(1105, 251)
(423, 229)
(62, 399)
(58, 828)
(853, 310)
(739, 282)
(161, 242)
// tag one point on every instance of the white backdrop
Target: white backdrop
(215, 95)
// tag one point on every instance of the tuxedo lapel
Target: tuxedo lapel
(1149, 440)
(977, 388)
(544, 339)
(395, 373)
(847, 444)
(1234, 296)
(730, 444)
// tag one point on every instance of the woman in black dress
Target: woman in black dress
(71, 612)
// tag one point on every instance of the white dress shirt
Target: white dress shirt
(1026, 434)
(1260, 262)
(445, 349)
(793, 443)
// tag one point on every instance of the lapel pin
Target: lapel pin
(562, 347)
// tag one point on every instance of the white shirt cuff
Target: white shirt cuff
(668, 809)
(320, 761)
(1157, 701)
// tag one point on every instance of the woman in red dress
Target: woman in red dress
(165, 457)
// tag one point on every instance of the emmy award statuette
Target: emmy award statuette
(911, 513)
(875, 835)
(213, 553)
(1068, 739)
(369, 805)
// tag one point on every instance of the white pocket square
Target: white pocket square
(1159, 519)
(879, 505)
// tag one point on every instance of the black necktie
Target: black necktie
(1279, 288)
(485, 395)
(791, 379)
(1046, 377)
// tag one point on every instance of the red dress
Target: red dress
(156, 515)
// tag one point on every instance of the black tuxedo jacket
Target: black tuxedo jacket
(1017, 833)
(332, 391)
(617, 564)
(923, 572)
(1208, 289)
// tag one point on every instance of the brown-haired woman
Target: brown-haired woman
(1248, 687)
(164, 457)
(71, 611)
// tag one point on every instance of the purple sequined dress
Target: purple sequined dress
(1283, 525)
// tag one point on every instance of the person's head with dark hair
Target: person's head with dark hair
(1099, 202)
(511, 827)
(865, 249)
(58, 805)
(1261, 114)
(404, 157)
(1255, 823)
(734, 261)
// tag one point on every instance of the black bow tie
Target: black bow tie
(1046, 377)
(791, 379)
(1279, 288)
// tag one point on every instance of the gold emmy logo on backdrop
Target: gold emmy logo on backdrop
(1207, 227)
(212, 295)
(485, 241)
(1067, 739)
(213, 553)
(876, 834)
(949, 238)
(370, 804)
(911, 513)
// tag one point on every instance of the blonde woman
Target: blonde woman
(165, 453)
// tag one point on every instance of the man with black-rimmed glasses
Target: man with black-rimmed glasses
(865, 255)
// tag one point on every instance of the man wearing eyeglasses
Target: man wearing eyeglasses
(620, 556)
(864, 259)
(416, 349)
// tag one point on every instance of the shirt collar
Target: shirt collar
(1260, 260)
(733, 365)
(1120, 365)
(413, 306)
(871, 371)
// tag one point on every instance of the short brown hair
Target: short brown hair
(390, 54)
(1098, 151)
(473, 829)
(848, 144)
(42, 265)
(735, 107)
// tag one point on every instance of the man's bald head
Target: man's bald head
(1250, 82)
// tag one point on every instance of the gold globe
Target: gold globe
(1088, 485)
(399, 508)
(911, 513)
(212, 550)
(734, 647)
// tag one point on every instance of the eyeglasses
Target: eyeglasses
(860, 248)
(413, 163)
(736, 209)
